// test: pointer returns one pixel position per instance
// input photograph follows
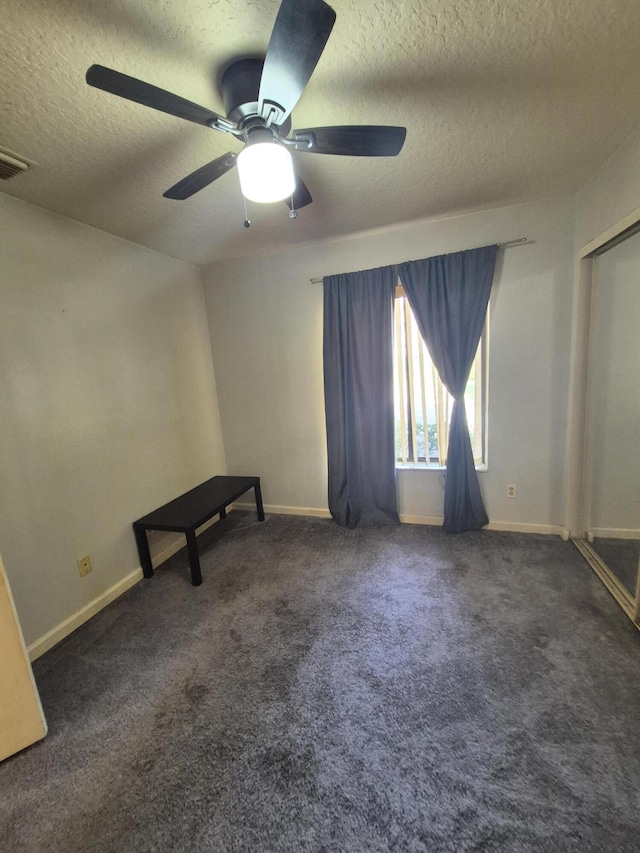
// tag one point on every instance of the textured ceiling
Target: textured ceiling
(502, 100)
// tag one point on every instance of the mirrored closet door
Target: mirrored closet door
(611, 497)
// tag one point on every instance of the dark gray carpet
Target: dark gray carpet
(332, 690)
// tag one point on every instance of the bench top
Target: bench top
(198, 505)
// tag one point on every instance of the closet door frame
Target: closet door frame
(577, 472)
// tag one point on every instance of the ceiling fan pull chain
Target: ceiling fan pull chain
(293, 213)
(247, 221)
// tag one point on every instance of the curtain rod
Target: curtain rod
(517, 242)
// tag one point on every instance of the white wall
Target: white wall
(265, 320)
(602, 204)
(109, 404)
(612, 193)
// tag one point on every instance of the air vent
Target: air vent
(11, 166)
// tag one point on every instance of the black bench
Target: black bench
(188, 512)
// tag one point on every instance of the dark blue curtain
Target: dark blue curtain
(449, 295)
(358, 390)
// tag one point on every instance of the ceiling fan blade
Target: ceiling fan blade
(299, 35)
(301, 195)
(353, 140)
(150, 96)
(202, 177)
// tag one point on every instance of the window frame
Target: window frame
(481, 400)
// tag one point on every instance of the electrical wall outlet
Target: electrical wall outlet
(84, 565)
(511, 490)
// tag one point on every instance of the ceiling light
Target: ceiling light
(266, 172)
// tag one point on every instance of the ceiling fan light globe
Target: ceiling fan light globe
(266, 172)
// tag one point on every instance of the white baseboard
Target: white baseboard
(51, 638)
(170, 544)
(286, 510)
(55, 635)
(176, 541)
(523, 527)
(69, 625)
(506, 526)
(614, 533)
(432, 520)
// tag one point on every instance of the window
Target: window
(422, 404)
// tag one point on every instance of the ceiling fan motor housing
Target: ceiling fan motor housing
(240, 86)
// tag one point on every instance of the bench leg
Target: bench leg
(259, 506)
(144, 554)
(194, 558)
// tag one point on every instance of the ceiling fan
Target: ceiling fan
(259, 96)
